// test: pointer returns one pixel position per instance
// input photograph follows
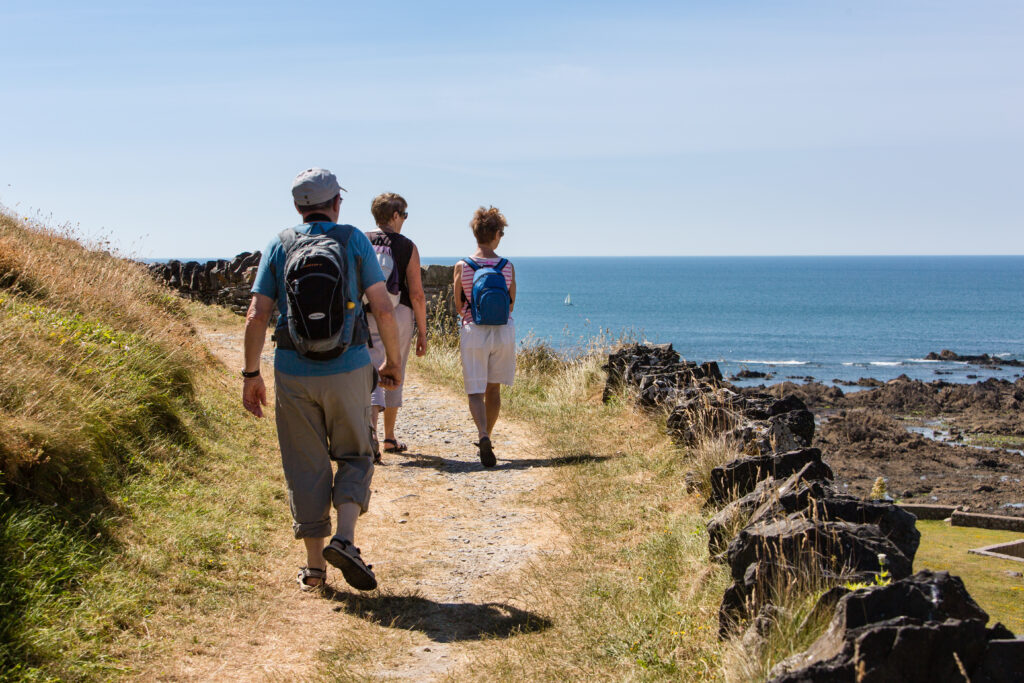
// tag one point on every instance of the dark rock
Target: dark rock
(739, 477)
(922, 628)
(751, 374)
(708, 371)
(836, 546)
(786, 552)
(1003, 662)
(983, 359)
(901, 649)
(758, 406)
(634, 364)
(656, 373)
(702, 413)
(791, 431)
(896, 524)
(770, 499)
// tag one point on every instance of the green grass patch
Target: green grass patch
(988, 579)
(1012, 441)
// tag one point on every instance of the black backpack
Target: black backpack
(323, 321)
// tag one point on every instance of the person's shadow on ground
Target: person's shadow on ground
(437, 462)
(442, 622)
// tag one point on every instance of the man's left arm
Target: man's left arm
(254, 390)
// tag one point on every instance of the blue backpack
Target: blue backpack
(490, 298)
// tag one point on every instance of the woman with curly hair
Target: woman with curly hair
(485, 294)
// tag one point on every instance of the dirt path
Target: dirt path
(447, 540)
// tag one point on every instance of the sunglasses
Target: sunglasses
(403, 214)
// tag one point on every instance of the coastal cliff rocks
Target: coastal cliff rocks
(229, 283)
(656, 373)
(740, 476)
(767, 557)
(756, 423)
(770, 498)
(784, 529)
(922, 628)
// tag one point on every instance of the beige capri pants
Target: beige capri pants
(391, 398)
(320, 419)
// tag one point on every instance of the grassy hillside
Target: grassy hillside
(114, 424)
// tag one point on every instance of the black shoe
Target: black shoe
(487, 458)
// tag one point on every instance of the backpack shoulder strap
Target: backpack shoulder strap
(471, 263)
(287, 237)
(500, 265)
(343, 233)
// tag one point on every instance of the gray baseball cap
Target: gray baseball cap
(315, 186)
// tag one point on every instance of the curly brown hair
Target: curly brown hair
(385, 205)
(487, 223)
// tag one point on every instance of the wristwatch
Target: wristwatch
(254, 373)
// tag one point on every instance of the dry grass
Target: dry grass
(91, 352)
(792, 623)
(636, 598)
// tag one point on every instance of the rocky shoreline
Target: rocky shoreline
(932, 442)
(785, 525)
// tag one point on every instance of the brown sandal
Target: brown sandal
(395, 447)
(307, 573)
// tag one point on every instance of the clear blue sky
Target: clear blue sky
(600, 128)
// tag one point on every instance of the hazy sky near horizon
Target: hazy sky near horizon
(599, 128)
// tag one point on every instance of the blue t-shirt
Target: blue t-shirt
(362, 261)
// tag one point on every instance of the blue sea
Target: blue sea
(825, 317)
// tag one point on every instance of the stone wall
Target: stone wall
(229, 283)
(215, 282)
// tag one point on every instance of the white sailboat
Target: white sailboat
(568, 300)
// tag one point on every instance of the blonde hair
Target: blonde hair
(385, 205)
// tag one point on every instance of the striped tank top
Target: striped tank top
(467, 284)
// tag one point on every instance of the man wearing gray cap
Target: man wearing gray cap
(322, 403)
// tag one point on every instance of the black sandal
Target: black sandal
(345, 556)
(307, 573)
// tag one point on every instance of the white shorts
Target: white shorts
(488, 355)
(391, 398)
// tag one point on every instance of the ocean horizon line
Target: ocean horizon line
(424, 257)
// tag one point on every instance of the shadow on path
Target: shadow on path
(443, 622)
(437, 462)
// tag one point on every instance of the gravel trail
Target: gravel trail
(447, 538)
